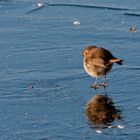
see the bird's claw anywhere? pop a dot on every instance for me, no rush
(95, 86)
(103, 84)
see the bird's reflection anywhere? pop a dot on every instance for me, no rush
(100, 110)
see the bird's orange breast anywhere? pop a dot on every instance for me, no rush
(85, 55)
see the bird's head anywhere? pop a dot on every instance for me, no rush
(88, 52)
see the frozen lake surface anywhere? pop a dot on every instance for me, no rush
(43, 87)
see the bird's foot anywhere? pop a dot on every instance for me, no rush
(104, 84)
(95, 86)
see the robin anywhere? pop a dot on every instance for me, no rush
(98, 62)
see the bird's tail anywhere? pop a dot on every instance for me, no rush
(116, 60)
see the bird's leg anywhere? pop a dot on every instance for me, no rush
(104, 84)
(95, 85)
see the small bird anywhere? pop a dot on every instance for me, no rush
(98, 62)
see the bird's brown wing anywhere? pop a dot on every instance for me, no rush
(106, 55)
(98, 62)
(100, 53)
